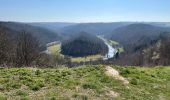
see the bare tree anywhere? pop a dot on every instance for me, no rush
(165, 51)
(28, 49)
(4, 47)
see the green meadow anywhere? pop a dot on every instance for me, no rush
(84, 83)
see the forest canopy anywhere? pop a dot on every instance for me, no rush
(83, 44)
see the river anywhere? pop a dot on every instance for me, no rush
(111, 51)
(110, 54)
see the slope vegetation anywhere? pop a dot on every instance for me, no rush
(84, 83)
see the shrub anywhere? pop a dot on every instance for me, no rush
(125, 72)
(35, 87)
(89, 85)
(52, 98)
(21, 93)
(134, 81)
(37, 72)
(16, 85)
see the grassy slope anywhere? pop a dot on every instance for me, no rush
(84, 83)
(55, 49)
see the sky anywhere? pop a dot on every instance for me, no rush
(85, 10)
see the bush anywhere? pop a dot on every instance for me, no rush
(35, 87)
(89, 85)
(134, 81)
(16, 85)
(21, 93)
(125, 72)
(37, 72)
(52, 98)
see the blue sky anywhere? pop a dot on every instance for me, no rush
(84, 10)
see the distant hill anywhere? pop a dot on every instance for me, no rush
(103, 28)
(53, 26)
(44, 35)
(83, 44)
(136, 34)
(69, 29)
(93, 28)
(159, 24)
(51, 31)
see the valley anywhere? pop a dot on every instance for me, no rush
(55, 49)
(86, 42)
(130, 62)
(84, 50)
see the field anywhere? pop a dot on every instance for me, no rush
(84, 83)
(55, 49)
(121, 49)
(114, 43)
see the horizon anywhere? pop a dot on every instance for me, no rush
(85, 11)
(88, 22)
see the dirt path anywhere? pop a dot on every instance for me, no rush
(115, 74)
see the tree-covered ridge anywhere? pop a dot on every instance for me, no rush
(42, 34)
(83, 44)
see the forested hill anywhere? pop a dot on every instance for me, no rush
(54, 26)
(136, 34)
(135, 31)
(144, 45)
(93, 28)
(41, 34)
(83, 44)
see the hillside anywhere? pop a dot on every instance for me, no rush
(83, 44)
(84, 83)
(136, 31)
(137, 34)
(42, 34)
